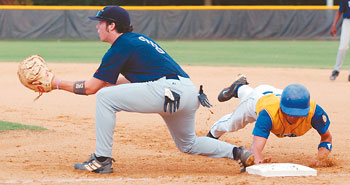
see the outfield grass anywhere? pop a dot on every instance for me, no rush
(4, 126)
(310, 54)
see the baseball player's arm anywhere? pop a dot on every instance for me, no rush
(257, 148)
(334, 25)
(261, 132)
(320, 121)
(90, 86)
(324, 151)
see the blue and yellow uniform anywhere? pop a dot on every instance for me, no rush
(271, 119)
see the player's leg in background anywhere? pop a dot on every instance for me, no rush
(343, 47)
(346, 38)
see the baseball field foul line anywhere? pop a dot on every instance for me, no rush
(122, 179)
(87, 180)
(73, 180)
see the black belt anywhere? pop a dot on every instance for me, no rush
(174, 77)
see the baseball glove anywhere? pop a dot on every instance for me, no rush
(35, 69)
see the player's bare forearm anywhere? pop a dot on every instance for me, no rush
(62, 84)
(90, 86)
(257, 148)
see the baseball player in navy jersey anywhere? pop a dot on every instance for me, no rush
(344, 8)
(137, 75)
(285, 113)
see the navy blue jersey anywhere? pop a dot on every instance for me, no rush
(263, 125)
(344, 7)
(139, 59)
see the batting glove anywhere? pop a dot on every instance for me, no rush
(203, 99)
(172, 101)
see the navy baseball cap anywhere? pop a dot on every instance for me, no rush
(113, 13)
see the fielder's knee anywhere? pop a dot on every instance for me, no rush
(185, 147)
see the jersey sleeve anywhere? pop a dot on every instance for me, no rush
(340, 6)
(263, 125)
(112, 64)
(320, 120)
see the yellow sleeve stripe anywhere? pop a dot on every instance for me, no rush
(37, 7)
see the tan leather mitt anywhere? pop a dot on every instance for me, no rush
(35, 69)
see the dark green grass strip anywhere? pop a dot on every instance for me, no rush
(4, 126)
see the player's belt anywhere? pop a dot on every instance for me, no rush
(267, 92)
(174, 77)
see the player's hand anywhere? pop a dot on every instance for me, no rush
(324, 162)
(317, 163)
(172, 101)
(333, 31)
(265, 160)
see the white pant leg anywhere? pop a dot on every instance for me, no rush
(345, 35)
(244, 91)
(244, 112)
(240, 117)
(343, 45)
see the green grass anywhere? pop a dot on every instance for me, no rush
(278, 53)
(53, 50)
(313, 54)
(283, 53)
(4, 126)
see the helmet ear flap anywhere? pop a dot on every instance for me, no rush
(295, 100)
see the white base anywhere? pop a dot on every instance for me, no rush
(281, 169)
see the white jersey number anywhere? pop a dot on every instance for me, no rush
(152, 44)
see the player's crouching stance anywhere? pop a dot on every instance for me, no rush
(137, 75)
(287, 113)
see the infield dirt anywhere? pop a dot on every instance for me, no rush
(143, 148)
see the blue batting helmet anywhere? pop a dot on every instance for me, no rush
(295, 100)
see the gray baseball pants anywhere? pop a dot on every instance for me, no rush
(148, 97)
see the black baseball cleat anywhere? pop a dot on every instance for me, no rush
(244, 156)
(93, 165)
(231, 91)
(211, 135)
(334, 75)
(349, 78)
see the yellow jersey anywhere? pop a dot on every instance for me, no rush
(279, 125)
